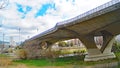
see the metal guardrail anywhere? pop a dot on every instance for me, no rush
(48, 31)
(43, 33)
(89, 12)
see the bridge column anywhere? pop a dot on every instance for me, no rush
(93, 52)
(108, 40)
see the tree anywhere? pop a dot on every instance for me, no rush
(3, 3)
(62, 44)
(116, 46)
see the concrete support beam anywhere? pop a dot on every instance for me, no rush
(107, 37)
(109, 45)
(108, 40)
(95, 54)
(92, 49)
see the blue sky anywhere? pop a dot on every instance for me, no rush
(20, 9)
(35, 16)
(44, 8)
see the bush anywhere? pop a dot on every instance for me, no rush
(62, 44)
(71, 44)
(116, 47)
(10, 50)
(80, 52)
(32, 49)
(50, 53)
(21, 54)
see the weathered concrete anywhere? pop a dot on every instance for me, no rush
(101, 21)
(94, 53)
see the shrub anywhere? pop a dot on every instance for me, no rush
(21, 54)
(10, 50)
(32, 49)
(62, 44)
(116, 47)
(71, 44)
(49, 53)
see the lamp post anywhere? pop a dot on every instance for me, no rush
(37, 30)
(28, 37)
(1, 20)
(2, 43)
(11, 41)
(19, 34)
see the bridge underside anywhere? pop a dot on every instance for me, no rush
(104, 23)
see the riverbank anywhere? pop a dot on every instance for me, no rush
(63, 62)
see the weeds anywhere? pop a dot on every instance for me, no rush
(5, 61)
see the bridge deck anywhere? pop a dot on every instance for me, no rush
(104, 17)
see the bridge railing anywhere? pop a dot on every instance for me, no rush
(78, 17)
(43, 33)
(89, 12)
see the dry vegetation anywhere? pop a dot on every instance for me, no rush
(32, 50)
(5, 61)
(21, 53)
(24, 66)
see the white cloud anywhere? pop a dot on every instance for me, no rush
(64, 9)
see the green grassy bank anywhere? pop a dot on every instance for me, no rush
(74, 60)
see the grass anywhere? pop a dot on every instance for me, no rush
(5, 60)
(3, 55)
(54, 63)
(41, 62)
(117, 55)
(48, 62)
(75, 60)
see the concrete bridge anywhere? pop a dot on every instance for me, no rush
(101, 21)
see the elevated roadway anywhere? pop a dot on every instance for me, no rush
(103, 21)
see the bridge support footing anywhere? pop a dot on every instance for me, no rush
(99, 57)
(94, 53)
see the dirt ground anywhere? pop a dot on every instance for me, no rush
(24, 66)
